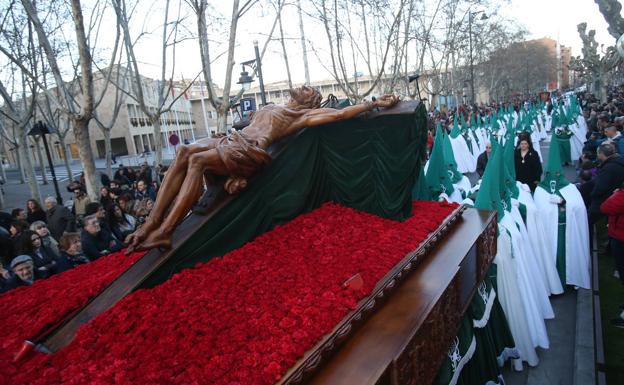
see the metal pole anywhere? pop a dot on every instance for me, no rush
(472, 94)
(259, 70)
(56, 187)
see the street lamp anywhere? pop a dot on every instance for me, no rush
(470, 16)
(42, 129)
(245, 80)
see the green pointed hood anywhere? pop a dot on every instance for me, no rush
(554, 177)
(510, 166)
(421, 191)
(455, 131)
(438, 179)
(449, 158)
(489, 195)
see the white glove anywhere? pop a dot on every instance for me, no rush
(555, 199)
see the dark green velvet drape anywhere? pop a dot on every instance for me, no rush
(368, 164)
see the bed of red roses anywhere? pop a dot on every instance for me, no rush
(27, 310)
(244, 318)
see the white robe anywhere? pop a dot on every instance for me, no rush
(577, 238)
(466, 162)
(524, 252)
(531, 297)
(576, 142)
(582, 124)
(508, 290)
(539, 242)
(577, 232)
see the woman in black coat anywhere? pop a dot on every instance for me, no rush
(43, 258)
(528, 165)
(34, 212)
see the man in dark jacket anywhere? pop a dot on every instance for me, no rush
(610, 177)
(24, 273)
(482, 160)
(144, 191)
(95, 242)
(59, 218)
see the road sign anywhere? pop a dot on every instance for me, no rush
(174, 140)
(248, 104)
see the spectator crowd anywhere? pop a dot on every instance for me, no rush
(38, 241)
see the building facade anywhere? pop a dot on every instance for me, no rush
(131, 131)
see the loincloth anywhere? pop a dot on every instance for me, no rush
(241, 156)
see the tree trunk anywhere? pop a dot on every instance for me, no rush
(285, 53)
(81, 133)
(35, 193)
(4, 177)
(109, 152)
(66, 155)
(20, 166)
(157, 142)
(221, 121)
(44, 177)
(303, 45)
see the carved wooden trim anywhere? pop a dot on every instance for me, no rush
(322, 351)
(486, 248)
(419, 362)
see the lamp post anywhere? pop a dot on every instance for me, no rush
(42, 129)
(245, 80)
(470, 16)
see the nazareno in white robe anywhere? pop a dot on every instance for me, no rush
(539, 242)
(466, 162)
(577, 232)
(524, 322)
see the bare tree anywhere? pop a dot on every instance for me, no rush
(347, 51)
(279, 6)
(19, 97)
(222, 103)
(592, 67)
(76, 97)
(163, 102)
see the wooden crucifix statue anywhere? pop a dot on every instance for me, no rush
(237, 157)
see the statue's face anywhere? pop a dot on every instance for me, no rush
(305, 97)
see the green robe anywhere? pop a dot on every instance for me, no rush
(565, 149)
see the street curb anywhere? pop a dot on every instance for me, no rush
(584, 365)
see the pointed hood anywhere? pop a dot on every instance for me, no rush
(438, 179)
(420, 191)
(510, 166)
(455, 131)
(489, 195)
(449, 158)
(554, 177)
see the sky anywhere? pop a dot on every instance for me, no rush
(557, 19)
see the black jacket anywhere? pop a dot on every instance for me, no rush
(482, 161)
(38, 215)
(66, 261)
(530, 171)
(14, 281)
(610, 176)
(96, 246)
(45, 259)
(60, 220)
